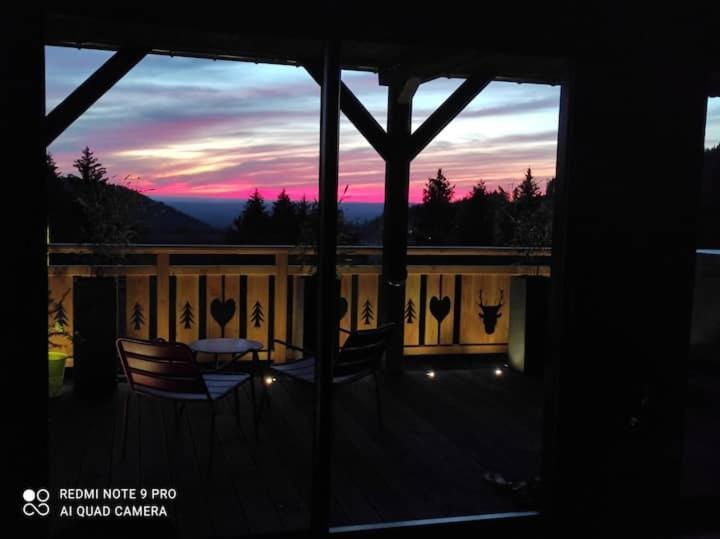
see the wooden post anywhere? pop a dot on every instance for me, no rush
(163, 295)
(280, 329)
(395, 227)
(327, 335)
(22, 63)
(615, 405)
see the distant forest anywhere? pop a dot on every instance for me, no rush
(483, 217)
(86, 207)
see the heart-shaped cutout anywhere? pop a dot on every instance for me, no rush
(222, 311)
(440, 308)
(342, 308)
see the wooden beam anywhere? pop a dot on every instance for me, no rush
(409, 88)
(162, 265)
(426, 65)
(327, 299)
(446, 112)
(395, 230)
(357, 114)
(85, 95)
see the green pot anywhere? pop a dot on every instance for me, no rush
(56, 370)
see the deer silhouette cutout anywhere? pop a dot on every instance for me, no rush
(490, 313)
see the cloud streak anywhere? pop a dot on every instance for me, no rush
(197, 128)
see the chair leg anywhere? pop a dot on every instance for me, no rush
(125, 424)
(378, 402)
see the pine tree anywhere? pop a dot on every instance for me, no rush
(531, 221)
(186, 317)
(438, 191)
(367, 312)
(410, 312)
(436, 215)
(526, 196)
(475, 219)
(251, 226)
(90, 169)
(284, 220)
(137, 318)
(256, 315)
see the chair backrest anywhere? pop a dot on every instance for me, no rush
(161, 368)
(363, 350)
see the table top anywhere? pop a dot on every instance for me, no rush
(224, 345)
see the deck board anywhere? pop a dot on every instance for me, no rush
(440, 437)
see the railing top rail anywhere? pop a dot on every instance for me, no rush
(85, 248)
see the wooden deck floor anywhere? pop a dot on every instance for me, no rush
(440, 437)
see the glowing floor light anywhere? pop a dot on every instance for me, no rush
(498, 372)
(430, 374)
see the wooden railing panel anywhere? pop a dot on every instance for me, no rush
(412, 310)
(280, 305)
(367, 301)
(62, 318)
(257, 307)
(298, 320)
(264, 301)
(223, 305)
(187, 304)
(345, 305)
(472, 328)
(163, 295)
(137, 307)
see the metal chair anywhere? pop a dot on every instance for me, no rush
(360, 356)
(168, 370)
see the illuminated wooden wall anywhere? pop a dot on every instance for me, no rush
(184, 303)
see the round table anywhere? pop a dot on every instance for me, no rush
(227, 346)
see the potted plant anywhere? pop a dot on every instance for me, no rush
(108, 223)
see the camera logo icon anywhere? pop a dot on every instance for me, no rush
(36, 502)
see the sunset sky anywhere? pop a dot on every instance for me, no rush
(217, 129)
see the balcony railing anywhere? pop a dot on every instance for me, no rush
(186, 292)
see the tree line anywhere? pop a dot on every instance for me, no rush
(522, 216)
(483, 217)
(85, 207)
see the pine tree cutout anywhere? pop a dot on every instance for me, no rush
(367, 312)
(186, 317)
(257, 315)
(137, 318)
(60, 317)
(410, 314)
